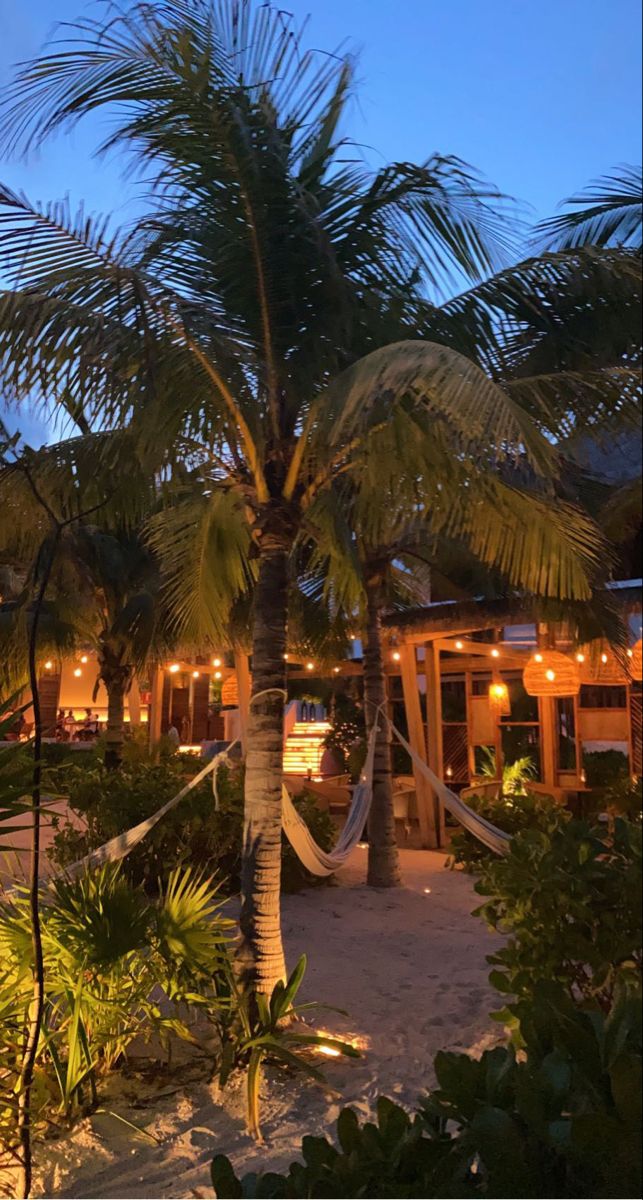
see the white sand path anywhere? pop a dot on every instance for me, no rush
(409, 968)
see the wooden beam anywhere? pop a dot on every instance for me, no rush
(434, 725)
(242, 668)
(134, 703)
(415, 726)
(506, 655)
(547, 715)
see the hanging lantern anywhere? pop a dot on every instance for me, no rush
(636, 662)
(600, 666)
(230, 691)
(499, 701)
(550, 673)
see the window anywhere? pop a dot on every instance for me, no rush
(595, 696)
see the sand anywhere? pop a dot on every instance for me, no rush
(409, 968)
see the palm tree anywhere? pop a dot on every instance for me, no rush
(248, 312)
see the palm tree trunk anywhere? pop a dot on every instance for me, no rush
(261, 953)
(115, 734)
(383, 858)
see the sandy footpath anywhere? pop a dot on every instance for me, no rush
(409, 968)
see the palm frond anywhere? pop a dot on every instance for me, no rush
(610, 214)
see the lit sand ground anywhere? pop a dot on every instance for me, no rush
(408, 967)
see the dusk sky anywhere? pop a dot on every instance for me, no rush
(540, 95)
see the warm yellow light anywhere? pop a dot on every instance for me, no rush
(336, 670)
(449, 772)
(78, 672)
(538, 657)
(603, 658)
(310, 666)
(285, 658)
(329, 1051)
(551, 675)
(580, 657)
(396, 656)
(495, 654)
(459, 645)
(216, 662)
(174, 667)
(427, 891)
(48, 665)
(217, 674)
(83, 658)
(499, 690)
(353, 637)
(630, 654)
(196, 674)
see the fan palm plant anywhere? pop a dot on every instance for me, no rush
(255, 309)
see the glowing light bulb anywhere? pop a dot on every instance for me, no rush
(335, 670)
(48, 665)
(538, 657)
(459, 645)
(196, 674)
(286, 657)
(83, 658)
(427, 891)
(310, 666)
(77, 672)
(499, 690)
(495, 654)
(630, 654)
(173, 668)
(216, 662)
(580, 657)
(603, 658)
(396, 656)
(217, 675)
(551, 675)
(449, 772)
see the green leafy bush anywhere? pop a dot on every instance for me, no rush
(512, 813)
(563, 1120)
(109, 802)
(603, 768)
(570, 900)
(116, 967)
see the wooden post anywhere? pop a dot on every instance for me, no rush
(434, 726)
(471, 750)
(242, 669)
(155, 711)
(547, 715)
(415, 726)
(134, 703)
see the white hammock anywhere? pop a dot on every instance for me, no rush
(317, 861)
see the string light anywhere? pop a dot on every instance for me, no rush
(396, 656)
(310, 666)
(78, 672)
(217, 675)
(459, 645)
(216, 662)
(286, 657)
(196, 674)
(48, 665)
(495, 654)
(173, 668)
(449, 772)
(83, 658)
(336, 670)
(580, 657)
(538, 658)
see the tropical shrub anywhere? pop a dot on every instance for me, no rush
(511, 812)
(116, 967)
(562, 1120)
(603, 768)
(196, 831)
(570, 899)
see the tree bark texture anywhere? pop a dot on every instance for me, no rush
(383, 857)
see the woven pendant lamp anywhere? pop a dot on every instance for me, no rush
(636, 661)
(550, 673)
(499, 701)
(599, 665)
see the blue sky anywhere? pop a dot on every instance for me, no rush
(540, 95)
